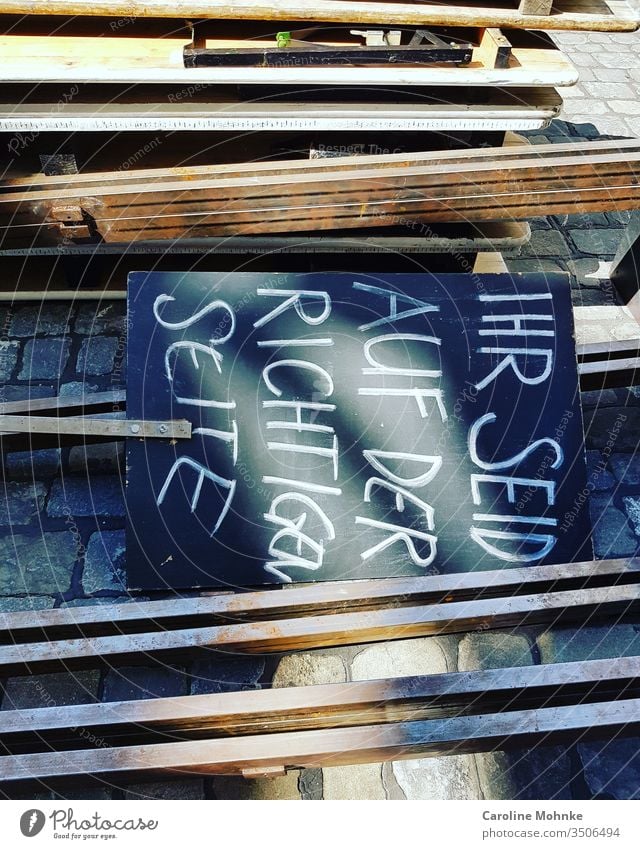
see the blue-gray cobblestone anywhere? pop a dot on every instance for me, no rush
(44, 358)
(43, 319)
(97, 355)
(37, 565)
(141, 682)
(101, 457)
(30, 465)
(8, 358)
(104, 563)
(80, 496)
(94, 319)
(612, 535)
(226, 673)
(20, 503)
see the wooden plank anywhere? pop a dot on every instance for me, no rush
(156, 114)
(606, 374)
(85, 426)
(328, 630)
(568, 14)
(494, 50)
(314, 599)
(344, 193)
(73, 60)
(320, 706)
(89, 400)
(333, 747)
(535, 7)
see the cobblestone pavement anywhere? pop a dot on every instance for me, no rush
(607, 94)
(62, 520)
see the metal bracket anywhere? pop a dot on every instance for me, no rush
(84, 426)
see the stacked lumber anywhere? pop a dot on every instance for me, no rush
(315, 616)
(252, 732)
(600, 15)
(487, 184)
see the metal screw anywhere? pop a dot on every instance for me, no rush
(162, 428)
(135, 428)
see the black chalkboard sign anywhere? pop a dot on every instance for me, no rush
(351, 426)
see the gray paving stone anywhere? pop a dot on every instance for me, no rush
(595, 642)
(77, 388)
(101, 457)
(104, 563)
(625, 107)
(626, 468)
(585, 221)
(632, 509)
(104, 317)
(28, 465)
(141, 682)
(622, 217)
(39, 565)
(223, 674)
(541, 773)
(46, 320)
(547, 243)
(617, 59)
(33, 602)
(604, 92)
(598, 399)
(612, 767)
(9, 351)
(493, 651)
(25, 393)
(167, 790)
(20, 503)
(52, 690)
(586, 270)
(612, 536)
(596, 241)
(102, 602)
(44, 358)
(610, 75)
(98, 496)
(613, 427)
(535, 264)
(603, 125)
(97, 355)
(598, 476)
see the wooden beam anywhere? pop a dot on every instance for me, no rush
(90, 400)
(85, 426)
(312, 600)
(332, 747)
(598, 16)
(322, 706)
(351, 192)
(310, 632)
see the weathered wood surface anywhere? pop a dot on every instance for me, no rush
(312, 600)
(307, 632)
(611, 16)
(101, 108)
(351, 192)
(75, 60)
(333, 747)
(321, 706)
